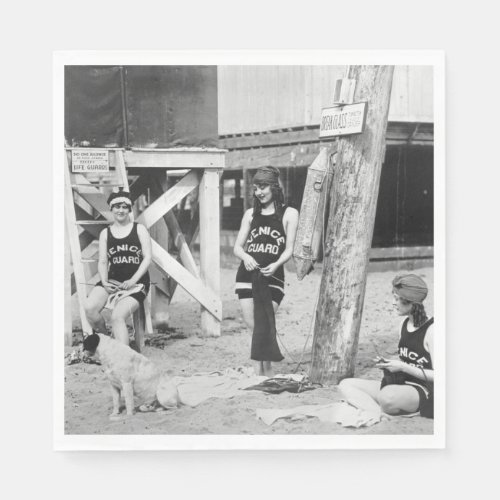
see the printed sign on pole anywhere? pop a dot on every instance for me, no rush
(343, 120)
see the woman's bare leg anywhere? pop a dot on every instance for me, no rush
(122, 310)
(262, 367)
(267, 367)
(362, 394)
(93, 307)
(396, 399)
(247, 312)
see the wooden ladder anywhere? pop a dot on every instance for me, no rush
(79, 191)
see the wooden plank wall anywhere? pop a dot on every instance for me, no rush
(257, 98)
(411, 98)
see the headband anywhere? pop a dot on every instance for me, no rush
(119, 197)
(266, 175)
(410, 287)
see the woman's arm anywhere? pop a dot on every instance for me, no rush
(145, 240)
(429, 347)
(290, 223)
(396, 365)
(238, 250)
(102, 263)
(429, 341)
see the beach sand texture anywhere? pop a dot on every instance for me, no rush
(88, 400)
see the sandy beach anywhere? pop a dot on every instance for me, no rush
(181, 352)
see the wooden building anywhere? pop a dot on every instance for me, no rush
(270, 115)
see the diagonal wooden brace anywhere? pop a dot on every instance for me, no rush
(194, 286)
(169, 200)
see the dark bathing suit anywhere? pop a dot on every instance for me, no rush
(412, 352)
(125, 257)
(266, 242)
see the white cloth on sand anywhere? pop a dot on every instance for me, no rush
(339, 412)
(202, 386)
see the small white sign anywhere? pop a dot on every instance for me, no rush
(343, 120)
(90, 160)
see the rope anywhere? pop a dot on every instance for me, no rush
(323, 238)
(313, 317)
(281, 341)
(311, 329)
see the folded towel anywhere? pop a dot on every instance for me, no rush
(339, 412)
(264, 343)
(202, 386)
(114, 298)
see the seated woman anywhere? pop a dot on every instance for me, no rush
(124, 258)
(407, 385)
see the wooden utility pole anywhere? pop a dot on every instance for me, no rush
(353, 203)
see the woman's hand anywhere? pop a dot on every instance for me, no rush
(393, 365)
(270, 269)
(109, 287)
(128, 284)
(250, 263)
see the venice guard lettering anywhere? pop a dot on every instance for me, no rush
(412, 357)
(131, 259)
(124, 248)
(266, 230)
(261, 248)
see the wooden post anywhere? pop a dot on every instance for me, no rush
(237, 188)
(180, 242)
(209, 245)
(76, 252)
(68, 316)
(161, 185)
(353, 203)
(247, 190)
(160, 301)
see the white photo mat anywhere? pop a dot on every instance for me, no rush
(64, 441)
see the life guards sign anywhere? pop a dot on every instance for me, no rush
(344, 119)
(90, 160)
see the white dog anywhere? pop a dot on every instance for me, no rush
(130, 374)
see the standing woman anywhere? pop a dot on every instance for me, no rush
(124, 258)
(407, 384)
(264, 244)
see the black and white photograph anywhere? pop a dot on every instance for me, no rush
(251, 250)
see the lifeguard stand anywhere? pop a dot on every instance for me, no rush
(157, 128)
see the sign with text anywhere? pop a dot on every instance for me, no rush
(90, 160)
(344, 119)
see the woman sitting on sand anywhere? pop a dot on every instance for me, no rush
(407, 385)
(264, 244)
(124, 258)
